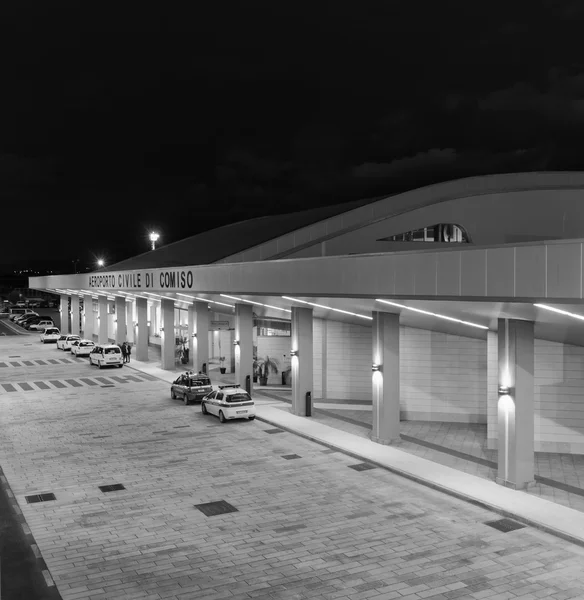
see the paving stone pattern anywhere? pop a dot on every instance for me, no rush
(305, 528)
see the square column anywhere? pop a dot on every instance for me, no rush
(167, 334)
(102, 334)
(142, 329)
(130, 321)
(386, 378)
(243, 349)
(516, 404)
(198, 335)
(64, 312)
(88, 325)
(120, 336)
(302, 359)
(75, 316)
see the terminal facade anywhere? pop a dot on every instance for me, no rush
(458, 302)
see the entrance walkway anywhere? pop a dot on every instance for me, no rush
(459, 448)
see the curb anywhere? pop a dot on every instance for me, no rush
(29, 537)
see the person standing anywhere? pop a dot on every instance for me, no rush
(128, 351)
(124, 352)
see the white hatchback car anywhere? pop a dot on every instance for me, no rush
(229, 402)
(65, 341)
(42, 325)
(49, 335)
(82, 347)
(106, 355)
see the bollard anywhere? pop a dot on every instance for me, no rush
(248, 384)
(308, 404)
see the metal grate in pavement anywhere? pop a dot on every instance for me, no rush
(212, 509)
(362, 467)
(40, 498)
(108, 385)
(290, 456)
(112, 488)
(273, 430)
(14, 356)
(505, 525)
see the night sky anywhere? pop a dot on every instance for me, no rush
(205, 113)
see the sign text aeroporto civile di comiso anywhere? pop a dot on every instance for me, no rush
(143, 280)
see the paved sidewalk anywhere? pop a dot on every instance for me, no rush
(559, 520)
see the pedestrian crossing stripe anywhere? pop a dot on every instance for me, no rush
(43, 363)
(51, 384)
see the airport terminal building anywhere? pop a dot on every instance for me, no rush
(460, 302)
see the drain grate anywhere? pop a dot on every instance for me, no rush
(505, 525)
(273, 430)
(290, 456)
(362, 467)
(110, 385)
(40, 498)
(112, 488)
(14, 356)
(212, 509)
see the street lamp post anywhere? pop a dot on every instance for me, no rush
(100, 262)
(154, 238)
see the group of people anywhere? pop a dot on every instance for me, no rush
(126, 351)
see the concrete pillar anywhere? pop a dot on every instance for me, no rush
(516, 405)
(302, 359)
(121, 334)
(102, 334)
(243, 349)
(492, 389)
(386, 378)
(198, 335)
(142, 329)
(88, 325)
(130, 322)
(75, 315)
(64, 312)
(167, 334)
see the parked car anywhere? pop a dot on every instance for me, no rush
(191, 387)
(82, 347)
(106, 355)
(28, 321)
(42, 325)
(229, 402)
(50, 335)
(17, 312)
(65, 341)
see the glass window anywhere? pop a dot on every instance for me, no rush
(239, 397)
(200, 381)
(84, 344)
(418, 235)
(212, 395)
(112, 351)
(219, 396)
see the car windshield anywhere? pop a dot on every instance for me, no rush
(200, 382)
(111, 351)
(72, 338)
(63, 337)
(239, 397)
(51, 331)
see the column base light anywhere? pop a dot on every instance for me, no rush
(375, 367)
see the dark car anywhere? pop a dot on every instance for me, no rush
(191, 387)
(33, 321)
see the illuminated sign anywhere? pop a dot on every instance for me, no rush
(143, 280)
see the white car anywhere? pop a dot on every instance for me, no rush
(82, 347)
(65, 341)
(106, 355)
(41, 325)
(229, 402)
(49, 335)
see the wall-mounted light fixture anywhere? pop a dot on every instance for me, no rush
(236, 343)
(161, 329)
(293, 352)
(504, 390)
(148, 323)
(194, 334)
(115, 320)
(375, 367)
